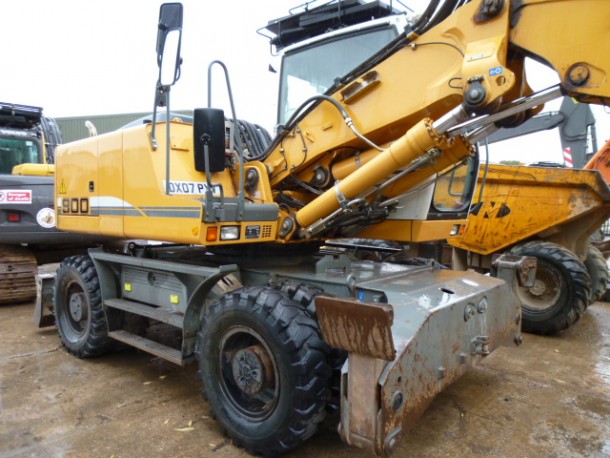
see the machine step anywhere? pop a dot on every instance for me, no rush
(162, 351)
(148, 311)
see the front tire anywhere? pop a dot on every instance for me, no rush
(560, 294)
(306, 295)
(80, 318)
(263, 368)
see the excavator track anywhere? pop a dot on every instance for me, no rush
(18, 270)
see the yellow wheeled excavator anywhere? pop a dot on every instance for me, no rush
(282, 326)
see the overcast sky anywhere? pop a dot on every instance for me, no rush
(77, 58)
(98, 57)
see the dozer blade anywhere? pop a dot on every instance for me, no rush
(18, 269)
(435, 326)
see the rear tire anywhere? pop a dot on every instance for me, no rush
(561, 292)
(598, 271)
(79, 314)
(263, 368)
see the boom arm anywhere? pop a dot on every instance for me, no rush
(470, 64)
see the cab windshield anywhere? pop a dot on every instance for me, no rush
(453, 189)
(15, 151)
(312, 70)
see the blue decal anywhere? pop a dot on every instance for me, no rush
(496, 71)
(361, 295)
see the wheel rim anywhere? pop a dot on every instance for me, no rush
(546, 290)
(77, 315)
(249, 377)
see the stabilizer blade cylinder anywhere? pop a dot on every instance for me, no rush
(419, 139)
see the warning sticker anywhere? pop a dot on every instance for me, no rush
(46, 217)
(12, 196)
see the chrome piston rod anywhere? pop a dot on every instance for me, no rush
(475, 129)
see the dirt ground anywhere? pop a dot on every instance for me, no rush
(549, 398)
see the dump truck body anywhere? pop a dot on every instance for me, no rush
(519, 203)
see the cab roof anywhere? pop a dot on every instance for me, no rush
(334, 15)
(21, 116)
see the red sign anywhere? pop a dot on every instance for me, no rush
(10, 196)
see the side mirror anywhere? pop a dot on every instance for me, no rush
(168, 43)
(209, 139)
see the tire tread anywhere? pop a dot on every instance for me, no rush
(578, 283)
(299, 335)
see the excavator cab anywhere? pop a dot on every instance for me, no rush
(27, 140)
(21, 136)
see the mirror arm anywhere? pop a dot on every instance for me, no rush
(159, 100)
(167, 143)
